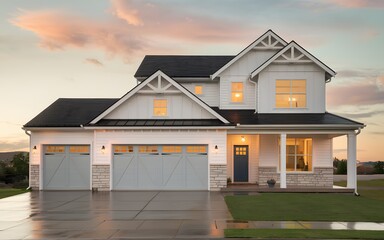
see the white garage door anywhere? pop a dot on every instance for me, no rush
(66, 167)
(160, 167)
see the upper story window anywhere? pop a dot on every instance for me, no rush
(291, 93)
(237, 92)
(160, 107)
(198, 90)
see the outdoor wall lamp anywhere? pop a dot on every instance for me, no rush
(34, 149)
(216, 149)
(242, 138)
(103, 149)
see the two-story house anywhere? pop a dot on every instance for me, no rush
(193, 122)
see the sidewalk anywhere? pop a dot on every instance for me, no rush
(233, 224)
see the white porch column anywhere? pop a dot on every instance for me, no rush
(351, 161)
(283, 160)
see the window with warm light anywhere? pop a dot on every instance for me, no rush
(298, 154)
(198, 90)
(237, 92)
(198, 149)
(291, 93)
(160, 107)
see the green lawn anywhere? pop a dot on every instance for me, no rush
(305, 207)
(7, 192)
(297, 233)
(369, 183)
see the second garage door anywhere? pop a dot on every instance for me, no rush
(160, 167)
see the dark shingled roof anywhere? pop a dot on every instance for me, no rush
(70, 112)
(249, 117)
(181, 66)
(158, 122)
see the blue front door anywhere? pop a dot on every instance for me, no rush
(240, 159)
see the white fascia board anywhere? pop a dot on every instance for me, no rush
(247, 49)
(52, 128)
(296, 132)
(156, 128)
(302, 50)
(303, 127)
(144, 83)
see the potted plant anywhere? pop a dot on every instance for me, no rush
(271, 182)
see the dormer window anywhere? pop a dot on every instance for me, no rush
(160, 107)
(199, 90)
(291, 93)
(237, 92)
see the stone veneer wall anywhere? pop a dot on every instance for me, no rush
(34, 177)
(322, 177)
(100, 177)
(218, 177)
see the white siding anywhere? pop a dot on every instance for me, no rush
(240, 72)
(39, 139)
(140, 106)
(210, 137)
(315, 87)
(210, 92)
(253, 147)
(269, 152)
(322, 151)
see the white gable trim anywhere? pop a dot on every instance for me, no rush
(304, 52)
(158, 74)
(267, 34)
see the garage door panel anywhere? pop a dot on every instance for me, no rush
(55, 170)
(63, 170)
(167, 167)
(125, 171)
(150, 171)
(79, 171)
(174, 171)
(197, 171)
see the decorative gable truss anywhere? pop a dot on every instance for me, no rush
(268, 41)
(159, 83)
(293, 53)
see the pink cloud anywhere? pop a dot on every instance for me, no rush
(58, 30)
(359, 3)
(362, 93)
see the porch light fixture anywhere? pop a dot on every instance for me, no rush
(242, 138)
(103, 149)
(216, 149)
(34, 149)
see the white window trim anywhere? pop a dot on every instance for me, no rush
(294, 172)
(291, 93)
(153, 108)
(242, 102)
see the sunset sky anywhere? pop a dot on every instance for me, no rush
(84, 49)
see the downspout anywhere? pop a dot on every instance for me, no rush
(29, 181)
(256, 93)
(356, 193)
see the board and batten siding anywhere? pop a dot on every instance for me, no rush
(140, 106)
(321, 152)
(41, 138)
(315, 87)
(253, 152)
(210, 92)
(240, 72)
(211, 138)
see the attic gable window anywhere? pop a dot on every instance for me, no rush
(160, 107)
(237, 92)
(291, 93)
(198, 90)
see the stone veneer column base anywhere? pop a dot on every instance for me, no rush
(321, 177)
(218, 177)
(34, 177)
(100, 178)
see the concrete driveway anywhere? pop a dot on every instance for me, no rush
(112, 215)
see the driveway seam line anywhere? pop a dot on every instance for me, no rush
(144, 208)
